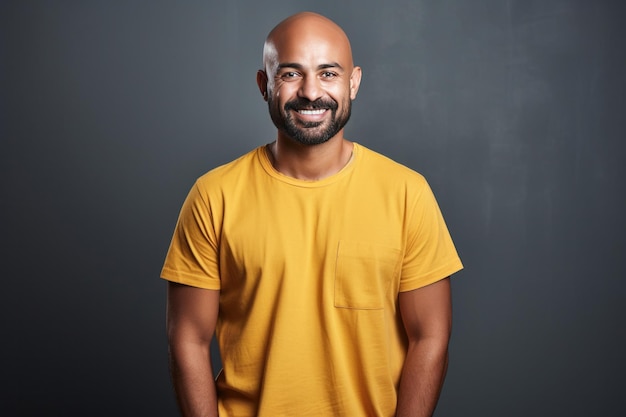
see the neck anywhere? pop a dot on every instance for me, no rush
(310, 162)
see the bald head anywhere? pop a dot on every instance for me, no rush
(306, 31)
(309, 79)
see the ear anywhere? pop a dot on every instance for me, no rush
(261, 81)
(355, 82)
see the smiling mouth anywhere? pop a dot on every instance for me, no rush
(311, 112)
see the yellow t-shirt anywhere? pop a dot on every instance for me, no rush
(309, 274)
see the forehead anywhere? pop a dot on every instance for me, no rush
(308, 44)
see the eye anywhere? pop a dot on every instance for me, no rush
(328, 74)
(289, 75)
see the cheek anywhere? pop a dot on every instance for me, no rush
(340, 93)
(281, 89)
(278, 94)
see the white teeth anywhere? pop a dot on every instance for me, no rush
(306, 112)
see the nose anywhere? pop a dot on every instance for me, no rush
(310, 88)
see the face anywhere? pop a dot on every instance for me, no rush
(309, 122)
(310, 83)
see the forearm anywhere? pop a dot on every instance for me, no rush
(422, 378)
(192, 377)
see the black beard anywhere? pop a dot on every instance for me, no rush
(308, 133)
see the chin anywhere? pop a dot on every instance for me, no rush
(310, 140)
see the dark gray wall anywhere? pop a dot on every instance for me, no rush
(514, 111)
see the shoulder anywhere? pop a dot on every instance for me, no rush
(229, 173)
(384, 169)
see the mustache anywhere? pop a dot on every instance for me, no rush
(304, 104)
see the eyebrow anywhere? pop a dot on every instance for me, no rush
(297, 66)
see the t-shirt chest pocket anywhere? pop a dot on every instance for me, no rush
(364, 273)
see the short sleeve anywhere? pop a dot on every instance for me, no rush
(192, 258)
(430, 254)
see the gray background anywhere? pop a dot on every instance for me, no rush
(514, 111)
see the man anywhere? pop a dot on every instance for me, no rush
(322, 265)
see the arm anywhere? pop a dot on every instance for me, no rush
(191, 317)
(427, 316)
